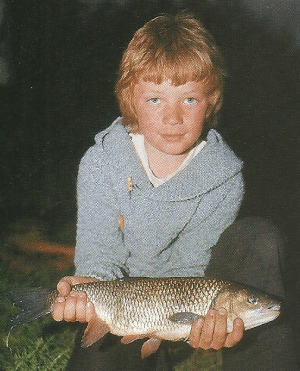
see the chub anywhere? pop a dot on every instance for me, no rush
(154, 308)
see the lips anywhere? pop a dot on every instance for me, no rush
(172, 137)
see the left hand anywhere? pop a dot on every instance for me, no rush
(71, 306)
(211, 332)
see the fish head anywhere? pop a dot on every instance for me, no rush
(252, 306)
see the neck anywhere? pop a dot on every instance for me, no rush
(162, 164)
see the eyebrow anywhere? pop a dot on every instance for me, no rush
(184, 92)
(153, 91)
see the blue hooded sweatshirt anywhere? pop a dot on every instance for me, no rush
(168, 230)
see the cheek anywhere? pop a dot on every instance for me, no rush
(198, 119)
(198, 114)
(144, 115)
(148, 120)
(196, 127)
(202, 113)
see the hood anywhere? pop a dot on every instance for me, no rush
(215, 164)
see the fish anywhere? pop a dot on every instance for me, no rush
(153, 308)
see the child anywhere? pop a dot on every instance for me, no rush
(160, 186)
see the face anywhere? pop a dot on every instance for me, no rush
(170, 117)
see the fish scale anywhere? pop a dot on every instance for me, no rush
(147, 304)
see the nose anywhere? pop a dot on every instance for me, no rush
(172, 115)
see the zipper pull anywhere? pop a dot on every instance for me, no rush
(129, 184)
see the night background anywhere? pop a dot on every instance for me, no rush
(58, 64)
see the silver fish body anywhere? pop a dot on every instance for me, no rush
(141, 306)
(150, 306)
(165, 308)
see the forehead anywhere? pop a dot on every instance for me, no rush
(167, 87)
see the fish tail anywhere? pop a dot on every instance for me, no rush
(34, 302)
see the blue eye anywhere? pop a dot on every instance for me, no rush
(190, 100)
(154, 100)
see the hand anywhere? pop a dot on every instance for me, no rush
(70, 306)
(211, 332)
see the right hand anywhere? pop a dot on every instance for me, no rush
(211, 332)
(70, 306)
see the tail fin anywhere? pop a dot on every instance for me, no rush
(34, 302)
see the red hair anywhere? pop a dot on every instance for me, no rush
(175, 48)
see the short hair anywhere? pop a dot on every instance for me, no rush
(176, 48)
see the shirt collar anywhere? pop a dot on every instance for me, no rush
(214, 165)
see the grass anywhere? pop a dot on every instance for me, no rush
(42, 344)
(32, 349)
(47, 345)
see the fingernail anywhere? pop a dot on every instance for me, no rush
(73, 293)
(89, 305)
(60, 299)
(239, 322)
(200, 320)
(222, 311)
(212, 312)
(60, 285)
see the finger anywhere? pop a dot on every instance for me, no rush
(64, 285)
(196, 332)
(63, 288)
(70, 308)
(208, 330)
(58, 309)
(90, 311)
(220, 330)
(81, 307)
(236, 335)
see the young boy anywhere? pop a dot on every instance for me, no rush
(160, 186)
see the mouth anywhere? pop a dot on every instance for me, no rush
(172, 138)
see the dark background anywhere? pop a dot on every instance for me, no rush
(63, 57)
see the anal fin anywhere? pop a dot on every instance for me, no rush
(95, 330)
(150, 346)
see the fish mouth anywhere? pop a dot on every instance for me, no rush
(274, 307)
(262, 317)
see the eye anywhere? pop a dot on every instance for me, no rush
(154, 100)
(252, 300)
(190, 100)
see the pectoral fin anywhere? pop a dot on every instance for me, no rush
(184, 318)
(95, 330)
(150, 346)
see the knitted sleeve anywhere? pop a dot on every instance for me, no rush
(100, 251)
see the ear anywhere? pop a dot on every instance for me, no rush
(213, 102)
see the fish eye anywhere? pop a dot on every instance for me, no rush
(252, 300)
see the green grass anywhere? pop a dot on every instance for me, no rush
(44, 344)
(30, 348)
